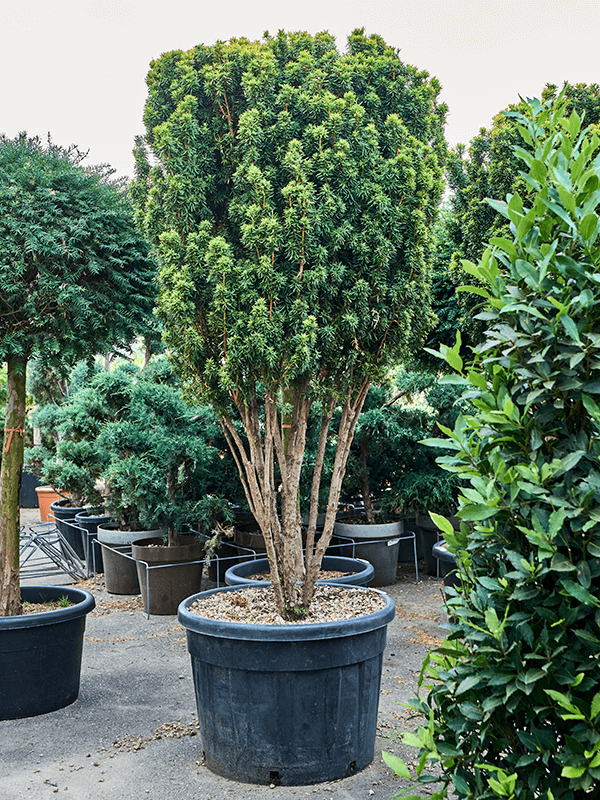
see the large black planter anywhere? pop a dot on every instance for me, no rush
(287, 704)
(430, 535)
(62, 512)
(361, 571)
(167, 574)
(40, 654)
(92, 550)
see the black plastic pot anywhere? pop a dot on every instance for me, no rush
(287, 704)
(447, 561)
(63, 513)
(120, 570)
(167, 574)
(430, 535)
(224, 556)
(92, 550)
(250, 538)
(29, 484)
(40, 654)
(361, 571)
(377, 544)
(406, 551)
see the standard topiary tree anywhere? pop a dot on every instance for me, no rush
(514, 711)
(75, 279)
(290, 209)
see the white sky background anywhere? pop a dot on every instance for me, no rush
(77, 68)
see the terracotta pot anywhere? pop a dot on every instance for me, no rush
(46, 496)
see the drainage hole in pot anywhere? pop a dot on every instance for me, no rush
(274, 778)
(352, 766)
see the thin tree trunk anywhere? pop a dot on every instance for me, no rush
(10, 488)
(254, 458)
(350, 414)
(366, 488)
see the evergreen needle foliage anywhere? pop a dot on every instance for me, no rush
(290, 210)
(515, 709)
(75, 279)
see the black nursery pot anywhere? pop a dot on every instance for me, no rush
(287, 704)
(430, 535)
(40, 654)
(89, 537)
(62, 514)
(447, 561)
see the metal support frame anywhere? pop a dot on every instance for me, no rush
(44, 552)
(349, 541)
(252, 555)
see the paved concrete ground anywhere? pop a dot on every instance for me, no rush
(132, 733)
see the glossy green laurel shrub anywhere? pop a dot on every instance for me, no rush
(515, 709)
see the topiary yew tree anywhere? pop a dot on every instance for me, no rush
(514, 711)
(290, 207)
(75, 279)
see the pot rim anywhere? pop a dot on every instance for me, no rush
(84, 603)
(260, 563)
(227, 629)
(440, 551)
(374, 531)
(87, 515)
(61, 504)
(156, 543)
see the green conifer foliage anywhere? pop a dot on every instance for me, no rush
(75, 279)
(514, 711)
(290, 208)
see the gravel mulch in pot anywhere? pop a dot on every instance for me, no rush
(256, 605)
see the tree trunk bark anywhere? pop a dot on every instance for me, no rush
(10, 488)
(366, 488)
(350, 414)
(285, 440)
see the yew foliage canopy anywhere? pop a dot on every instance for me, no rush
(290, 207)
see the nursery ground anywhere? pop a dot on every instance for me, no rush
(133, 731)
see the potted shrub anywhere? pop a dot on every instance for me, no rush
(70, 413)
(289, 208)
(513, 710)
(160, 463)
(75, 279)
(73, 467)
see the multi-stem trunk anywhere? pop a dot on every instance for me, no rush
(10, 487)
(293, 573)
